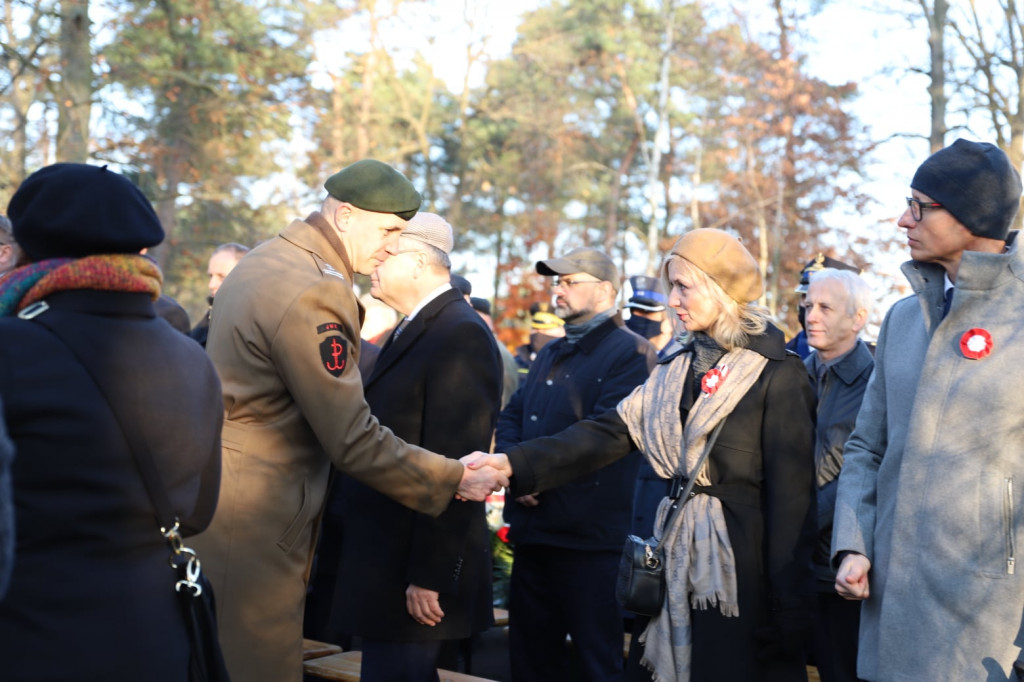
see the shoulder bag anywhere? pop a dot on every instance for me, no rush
(195, 594)
(640, 586)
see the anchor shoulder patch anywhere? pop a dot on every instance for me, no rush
(334, 354)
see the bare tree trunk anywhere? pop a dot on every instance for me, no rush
(74, 95)
(936, 16)
(660, 137)
(611, 228)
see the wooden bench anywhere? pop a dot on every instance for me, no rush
(314, 649)
(345, 667)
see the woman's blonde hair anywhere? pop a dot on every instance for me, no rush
(736, 322)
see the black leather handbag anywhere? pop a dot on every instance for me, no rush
(640, 586)
(194, 592)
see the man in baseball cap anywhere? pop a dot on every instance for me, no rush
(591, 369)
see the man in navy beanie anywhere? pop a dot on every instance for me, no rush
(927, 518)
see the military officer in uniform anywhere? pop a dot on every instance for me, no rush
(285, 340)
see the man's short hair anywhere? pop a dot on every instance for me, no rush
(858, 293)
(435, 256)
(235, 248)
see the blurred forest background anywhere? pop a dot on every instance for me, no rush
(612, 123)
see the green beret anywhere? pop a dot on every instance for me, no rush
(375, 186)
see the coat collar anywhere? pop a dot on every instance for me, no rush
(592, 339)
(315, 234)
(393, 350)
(978, 272)
(850, 366)
(771, 344)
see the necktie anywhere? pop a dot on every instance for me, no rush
(948, 300)
(400, 328)
(822, 371)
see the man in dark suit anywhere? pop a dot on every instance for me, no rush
(407, 581)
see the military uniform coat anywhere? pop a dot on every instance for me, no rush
(931, 484)
(437, 385)
(284, 336)
(92, 596)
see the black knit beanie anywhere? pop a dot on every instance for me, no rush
(976, 183)
(71, 210)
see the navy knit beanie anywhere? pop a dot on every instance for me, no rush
(71, 210)
(976, 183)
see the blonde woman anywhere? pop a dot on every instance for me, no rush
(738, 568)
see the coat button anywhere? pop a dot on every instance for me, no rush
(533, 417)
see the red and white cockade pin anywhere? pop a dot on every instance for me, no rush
(713, 379)
(976, 343)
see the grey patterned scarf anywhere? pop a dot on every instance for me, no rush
(700, 568)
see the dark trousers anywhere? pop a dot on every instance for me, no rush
(555, 592)
(385, 661)
(836, 627)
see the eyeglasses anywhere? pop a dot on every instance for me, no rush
(917, 207)
(570, 283)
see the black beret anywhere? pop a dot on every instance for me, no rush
(375, 186)
(481, 305)
(462, 284)
(71, 210)
(974, 181)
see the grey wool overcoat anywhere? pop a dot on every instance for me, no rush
(931, 487)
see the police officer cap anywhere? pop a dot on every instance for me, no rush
(375, 186)
(72, 210)
(542, 317)
(647, 294)
(820, 262)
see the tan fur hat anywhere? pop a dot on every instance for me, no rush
(724, 259)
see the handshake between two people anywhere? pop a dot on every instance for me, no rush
(484, 473)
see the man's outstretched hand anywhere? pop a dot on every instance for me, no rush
(480, 481)
(498, 460)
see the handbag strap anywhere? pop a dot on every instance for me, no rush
(151, 478)
(691, 479)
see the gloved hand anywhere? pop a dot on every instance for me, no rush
(786, 635)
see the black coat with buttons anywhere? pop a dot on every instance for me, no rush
(92, 596)
(569, 382)
(437, 385)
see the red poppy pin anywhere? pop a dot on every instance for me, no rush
(976, 344)
(713, 379)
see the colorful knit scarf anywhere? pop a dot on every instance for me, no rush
(115, 272)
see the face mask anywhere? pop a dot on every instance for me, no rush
(644, 327)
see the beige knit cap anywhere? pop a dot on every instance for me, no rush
(432, 229)
(724, 259)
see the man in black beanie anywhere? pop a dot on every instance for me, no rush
(926, 517)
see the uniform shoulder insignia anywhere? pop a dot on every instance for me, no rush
(332, 271)
(334, 354)
(328, 327)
